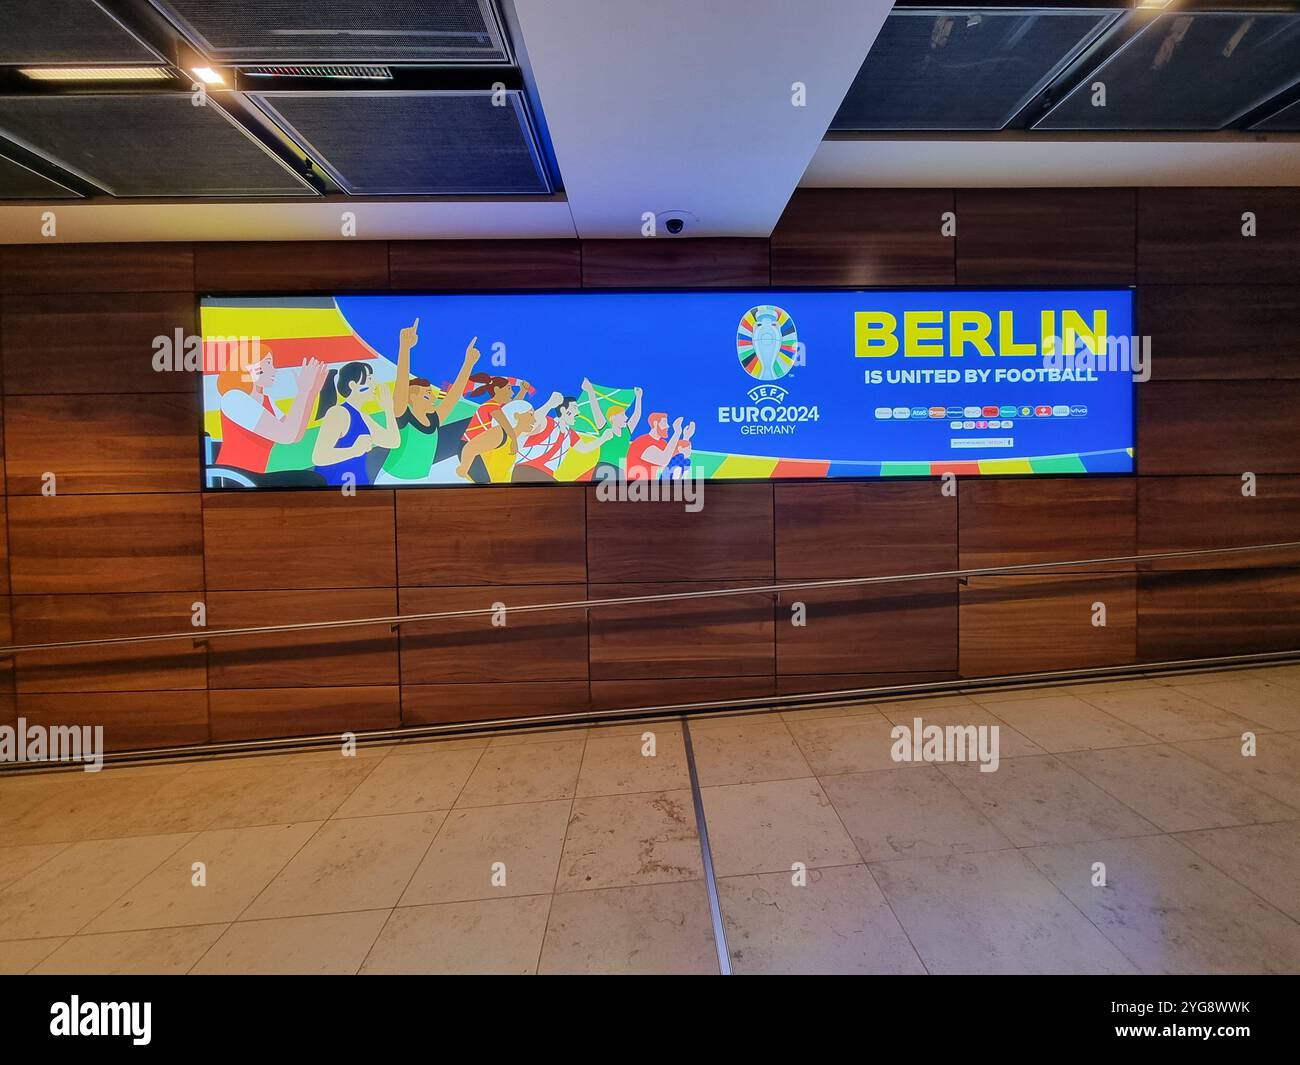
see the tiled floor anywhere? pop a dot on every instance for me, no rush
(1123, 831)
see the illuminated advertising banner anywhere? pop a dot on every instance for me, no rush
(397, 390)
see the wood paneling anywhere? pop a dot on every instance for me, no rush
(1221, 332)
(121, 543)
(94, 344)
(728, 538)
(1025, 522)
(131, 720)
(64, 268)
(1020, 624)
(848, 529)
(805, 683)
(1192, 235)
(175, 664)
(436, 704)
(291, 266)
(492, 536)
(484, 264)
(255, 713)
(669, 691)
(1218, 427)
(670, 262)
(270, 540)
(1046, 236)
(1219, 612)
(318, 658)
(1203, 513)
(864, 237)
(909, 626)
(102, 444)
(529, 648)
(729, 636)
(4, 546)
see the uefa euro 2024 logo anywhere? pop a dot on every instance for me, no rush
(766, 342)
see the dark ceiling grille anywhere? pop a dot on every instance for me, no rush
(1285, 121)
(147, 145)
(342, 31)
(19, 183)
(416, 143)
(1187, 71)
(64, 32)
(962, 70)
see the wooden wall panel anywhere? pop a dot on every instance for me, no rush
(436, 704)
(484, 264)
(1203, 513)
(175, 664)
(319, 539)
(730, 636)
(492, 536)
(102, 444)
(529, 648)
(291, 266)
(886, 628)
(801, 684)
(4, 546)
(257, 713)
(668, 691)
(864, 237)
(1218, 427)
(93, 343)
(322, 658)
(1019, 624)
(728, 538)
(1194, 236)
(121, 543)
(1031, 521)
(1221, 332)
(63, 268)
(1046, 236)
(863, 529)
(668, 262)
(131, 720)
(1218, 612)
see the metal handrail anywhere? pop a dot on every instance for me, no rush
(398, 620)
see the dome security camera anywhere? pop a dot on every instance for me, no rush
(674, 223)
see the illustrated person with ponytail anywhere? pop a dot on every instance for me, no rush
(251, 425)
(347, 434)
(490, 428)
(419, 413)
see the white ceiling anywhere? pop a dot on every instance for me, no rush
(1029, 160)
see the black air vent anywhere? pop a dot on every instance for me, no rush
(19, 183)
(147, 145)
(342, 31)
(416, 143)
(66, 32)
(1187, 71)
(962, 70)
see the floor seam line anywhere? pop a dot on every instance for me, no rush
(706, 855)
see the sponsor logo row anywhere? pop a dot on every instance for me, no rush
(899, 414)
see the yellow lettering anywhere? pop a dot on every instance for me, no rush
(1007, 344)
(923, 334)
(873, 335)
(969, 327)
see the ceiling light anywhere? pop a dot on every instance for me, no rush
(208, 76)
(97, 73)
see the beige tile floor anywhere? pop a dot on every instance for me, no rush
(1124, 831)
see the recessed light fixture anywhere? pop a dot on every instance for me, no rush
(207, 75)
(96, 73)
(1153, 5)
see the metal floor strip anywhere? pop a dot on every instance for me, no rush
(706, 852)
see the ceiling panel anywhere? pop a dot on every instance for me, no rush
(968, 70)
(1187, 72)
(1285, 121)
(17, 182)
(156, 144)
(61, 32)
(339, 31)
(415, 143)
